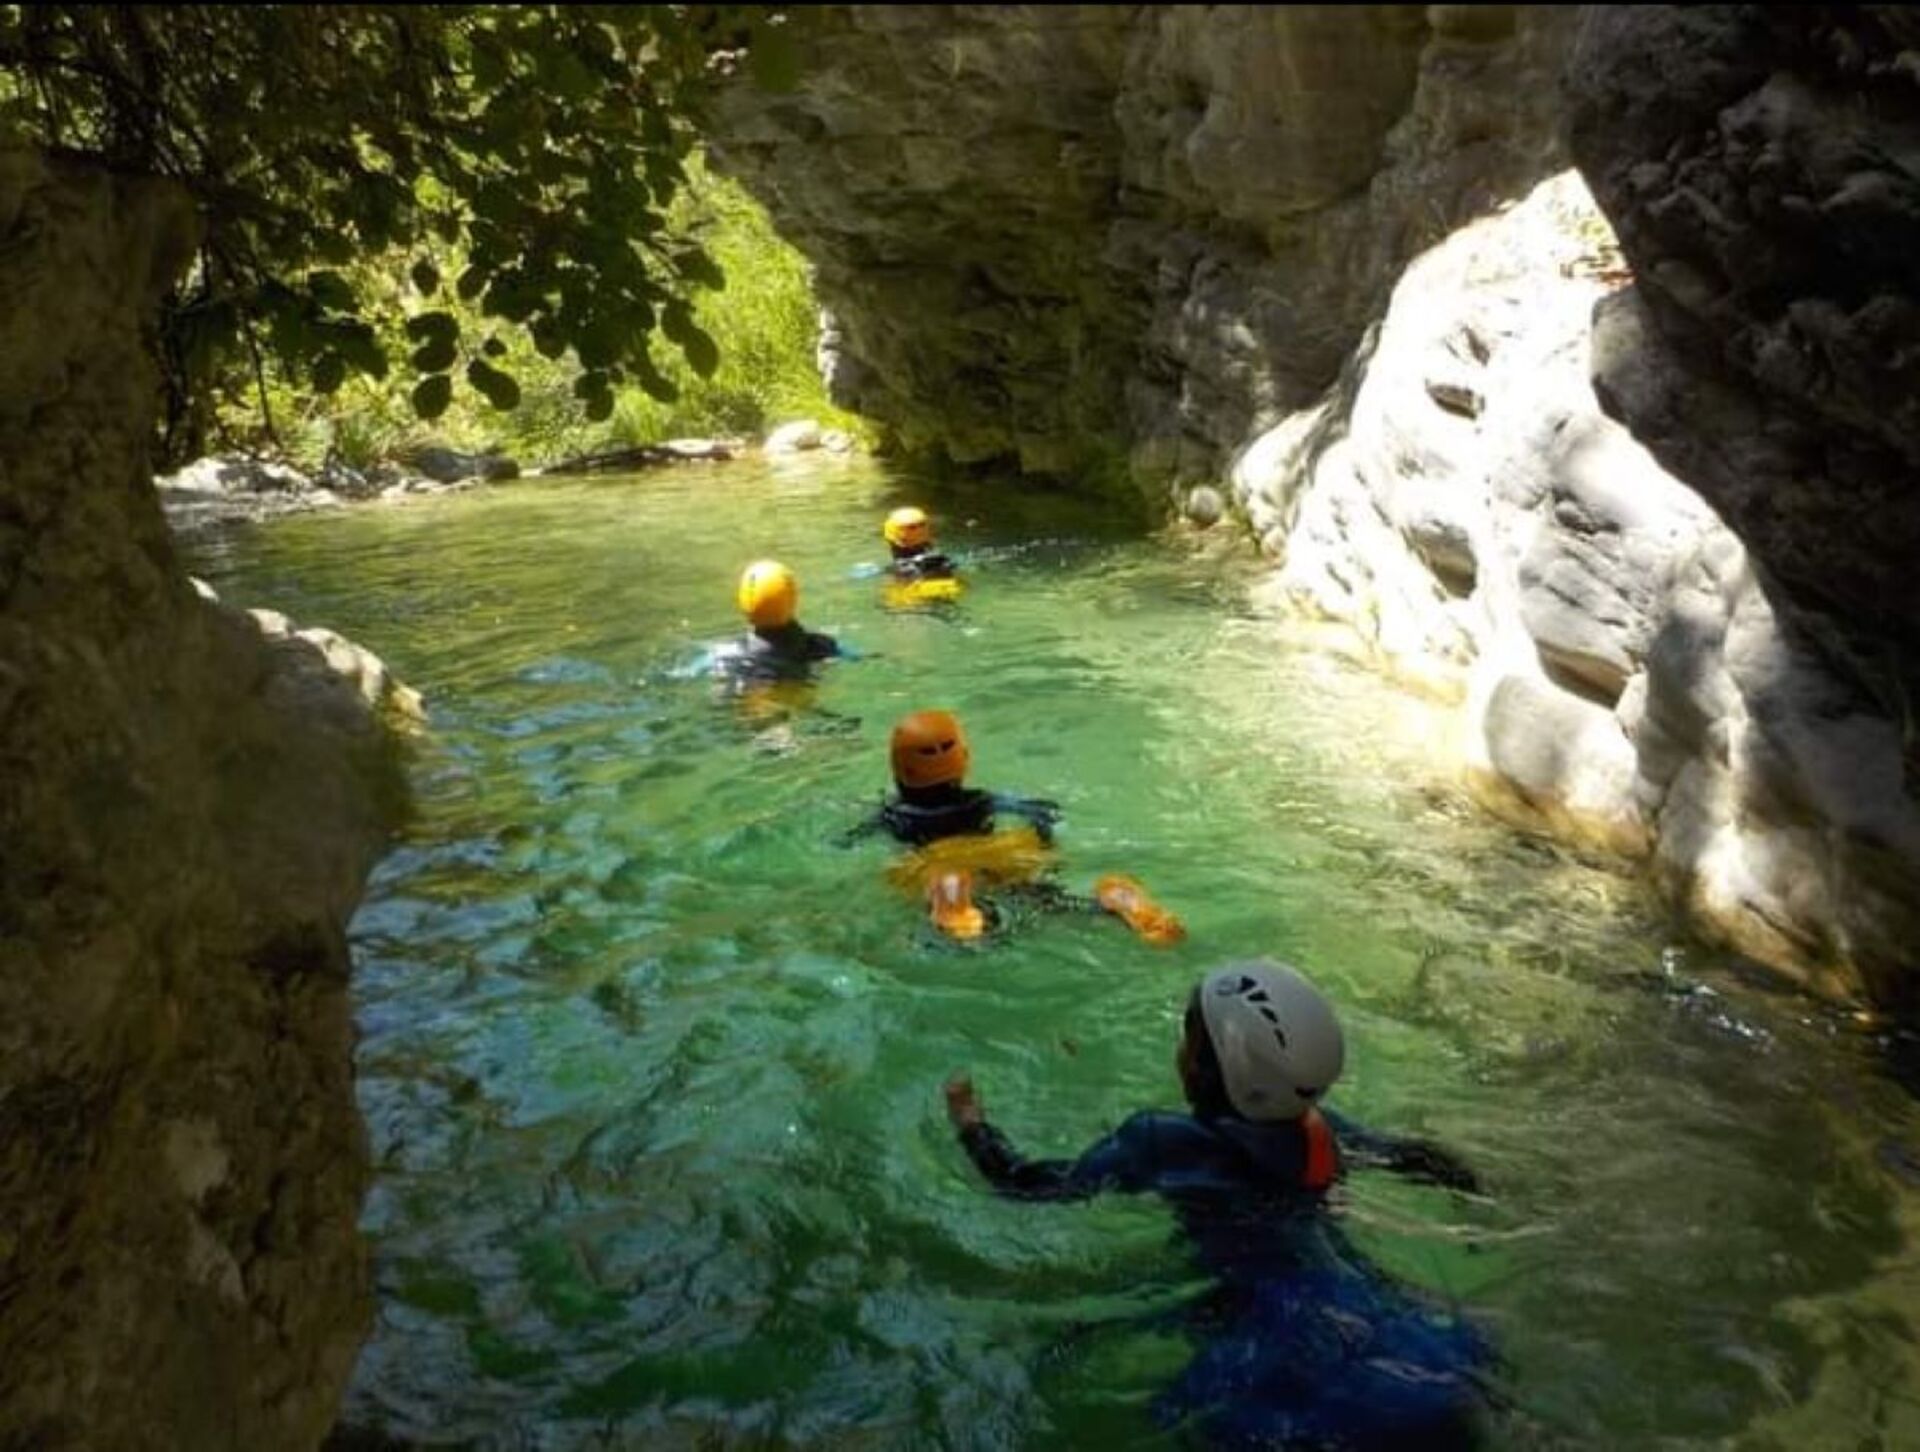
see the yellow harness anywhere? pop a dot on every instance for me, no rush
(1015, 855)
(905, 594)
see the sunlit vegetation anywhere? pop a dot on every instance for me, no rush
(416, 214)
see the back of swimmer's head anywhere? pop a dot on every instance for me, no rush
(769, 595)
(928, 749)
(908, 528)
(1270, 1046)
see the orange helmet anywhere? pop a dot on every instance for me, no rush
(907, 529)
(769, 595)
(929, 749)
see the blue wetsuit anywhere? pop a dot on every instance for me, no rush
(1303, 1344)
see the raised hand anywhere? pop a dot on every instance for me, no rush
(963, 1105)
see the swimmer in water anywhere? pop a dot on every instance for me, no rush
(917, 574)
(776, 647)
(1303, 1343)
(953, 828)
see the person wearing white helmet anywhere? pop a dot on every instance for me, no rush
(1260, 1048)
(1246, 1172)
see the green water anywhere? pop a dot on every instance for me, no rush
(651, 1067)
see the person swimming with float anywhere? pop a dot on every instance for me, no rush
(917, 574)
(909, 536)
(1303, 1344)
(777, 646)
(952, 825)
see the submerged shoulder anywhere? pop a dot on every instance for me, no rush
(1163, 1130)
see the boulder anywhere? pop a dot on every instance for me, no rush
(793, 438)
(452, 466)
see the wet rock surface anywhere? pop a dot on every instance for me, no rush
(1759, 164)
(186, 833)
(1628, 676)
(1080, 235)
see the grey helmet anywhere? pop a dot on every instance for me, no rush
(1277, 1040)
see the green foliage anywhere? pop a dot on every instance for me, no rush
(542, 144)
(764, 325)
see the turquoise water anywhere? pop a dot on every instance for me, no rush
(651, 1067)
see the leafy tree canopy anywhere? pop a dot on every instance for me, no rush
(542, 142)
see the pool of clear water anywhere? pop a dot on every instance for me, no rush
(651, 1064)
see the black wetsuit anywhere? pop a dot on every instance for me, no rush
(924, 563)
(1302, 1341)
(782, 653)
(919, 815)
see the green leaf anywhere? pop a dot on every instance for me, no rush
(700, 269)
(703, 354)
(510, 296)
(434, 356)
(500, 389)
(426, 277)
(774, 58)
(357, 344)
(562, 73)
(333, 246)
(432, 395)
(489, 62)
(548, 338)
(656, 383)
(330, 290)
(433, 325)
(598, 343)
(329, 372)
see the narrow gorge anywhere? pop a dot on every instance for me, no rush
(1560, 364)
(1645, 509)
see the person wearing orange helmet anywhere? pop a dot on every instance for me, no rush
(777, 646)
(953, 826)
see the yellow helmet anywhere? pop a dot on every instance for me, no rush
(769, 595)
(907, 529)
(928, 748)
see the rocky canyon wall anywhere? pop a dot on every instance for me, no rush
(1070, 234)
(190, 798)
(1644, 510)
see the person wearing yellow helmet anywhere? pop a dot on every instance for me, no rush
(1303, 1342)
(933, 810)
(909, 536)
(777, 646)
